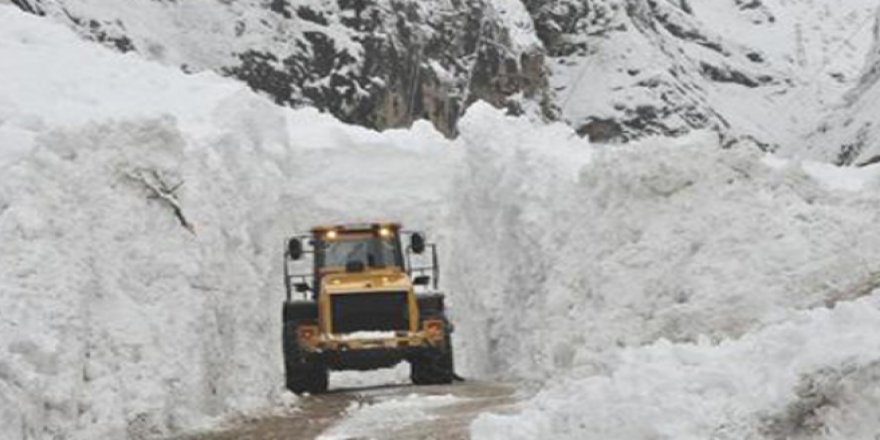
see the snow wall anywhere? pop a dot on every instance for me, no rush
(667, 290)
(643, 281)
(121, 316)
(671, 238)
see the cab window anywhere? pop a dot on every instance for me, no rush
(373, 252)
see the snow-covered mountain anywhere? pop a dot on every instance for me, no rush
(379, 63)
(760, 71)
(755, 70)
(849, 134)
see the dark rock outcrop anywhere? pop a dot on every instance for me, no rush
(660, 57)
(28, 6)
(377, 63)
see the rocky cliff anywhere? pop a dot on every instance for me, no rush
(755, 71)
(378, 63)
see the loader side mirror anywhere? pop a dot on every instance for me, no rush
(295, 249)
(301, 287)
(417, 243)
(422, 280)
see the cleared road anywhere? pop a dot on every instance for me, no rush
(393, 412)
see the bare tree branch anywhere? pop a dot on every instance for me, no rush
(160, 189)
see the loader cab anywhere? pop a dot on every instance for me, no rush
(363, 302)
(345, 253)
(356, 249)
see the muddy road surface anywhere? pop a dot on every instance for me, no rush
(394, 412)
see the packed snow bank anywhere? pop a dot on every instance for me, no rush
(813, 376)
(578, 255)
(142, 213)
(571, 254)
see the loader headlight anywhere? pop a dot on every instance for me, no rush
(384, 232)
(331, 234)
(308, 334)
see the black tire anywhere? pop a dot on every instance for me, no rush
(302, 375)
(299, 311)
(312, 379)
(430, 304)
(433, 366)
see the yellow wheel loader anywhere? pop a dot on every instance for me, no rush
(367, 302)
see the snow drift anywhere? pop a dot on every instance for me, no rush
(813, 376)
(623, 248)
(594, 253)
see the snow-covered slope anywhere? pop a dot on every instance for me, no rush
(850, 135)
(381, 64)
(761, 71)
(756, 71)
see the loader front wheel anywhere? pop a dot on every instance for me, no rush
(433, 366)
(307, 378)
(303, 375)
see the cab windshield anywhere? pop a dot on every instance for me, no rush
(369, 251)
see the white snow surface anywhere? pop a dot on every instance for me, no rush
(625, 248)
(516, 19)
(813, 376)
(365, 335)
(581, 256)
(691, 292)
(395, 414)
(850, 134)
(197, 35)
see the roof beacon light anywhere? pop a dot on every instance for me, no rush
(331, 234)
(384, 232)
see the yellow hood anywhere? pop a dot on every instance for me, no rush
(372, 280)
